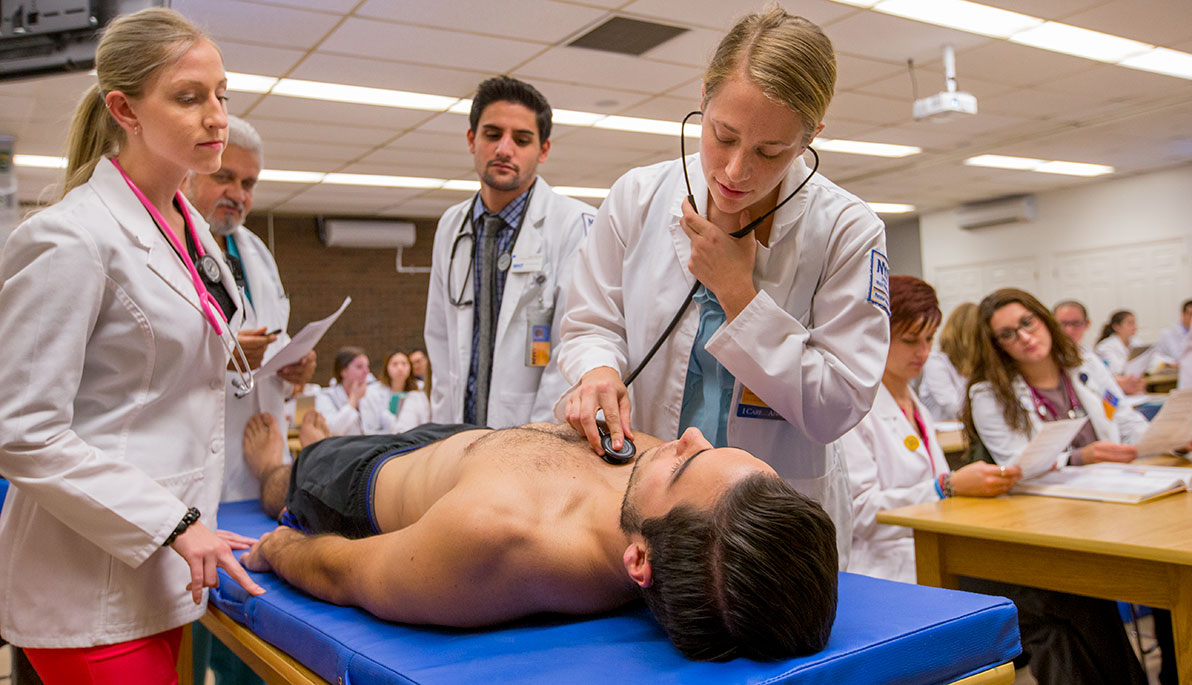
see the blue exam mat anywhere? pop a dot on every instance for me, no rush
(885, 632)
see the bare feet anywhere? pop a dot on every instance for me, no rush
(313, 429)
(264, 445)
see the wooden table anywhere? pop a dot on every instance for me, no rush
(1162, 381)
(1139, 553)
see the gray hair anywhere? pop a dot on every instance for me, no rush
(242, 134)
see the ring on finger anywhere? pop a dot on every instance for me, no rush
(1003, 469)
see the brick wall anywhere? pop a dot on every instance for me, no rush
(388, 308)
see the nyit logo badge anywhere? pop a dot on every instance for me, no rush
(589, 219)
(1110, 402)
(879, 281)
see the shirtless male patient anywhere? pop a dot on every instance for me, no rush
(465, 526)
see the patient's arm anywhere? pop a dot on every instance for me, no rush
(462, 564)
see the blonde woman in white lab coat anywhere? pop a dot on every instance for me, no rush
(111, 423)
(893, 456)
(784, 352)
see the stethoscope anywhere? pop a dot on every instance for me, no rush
(242, 385)
(504, 260)
(617, 457)
(1044, 405)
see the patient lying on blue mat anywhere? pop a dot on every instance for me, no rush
(457, 525)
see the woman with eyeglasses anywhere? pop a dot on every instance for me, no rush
(783, 351)
(1028, 372)
(117, 324)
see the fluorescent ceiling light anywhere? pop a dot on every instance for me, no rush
(571, 117)
(1074, 168)
(575, 191)
(859, 3)
(1040, 165)
(338, 92)
(639, 125)
(462, 107)
(890, 207)
(1003, 162)
(961, 15)
(383, 181)
(39, 161)
(857, 147)
(1162, 61)
(1073, 40)
(460, 184)
(250, 83)
(283, 176)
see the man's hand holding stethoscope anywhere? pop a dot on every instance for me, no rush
(600, 388)
(724, 264)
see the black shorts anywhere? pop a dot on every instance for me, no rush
(331, 482)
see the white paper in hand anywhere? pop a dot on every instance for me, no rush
(1052, 439)
(300, 344)
(1172, 426)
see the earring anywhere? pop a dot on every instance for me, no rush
(136, 129)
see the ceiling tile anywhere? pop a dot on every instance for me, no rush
(1012, 64)
(584, 98)
(721, 16)
(258, 59)
(693, 48)
(1150, 21)
(553, 21)
(260, 24)
(303, 131)
(596, 68)
(1050, 9)
(853, 106)
(385, 40)
(853, 72)
(894, 39)
(392, 119)
(375, 73)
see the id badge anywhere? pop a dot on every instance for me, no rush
(538, 324)
(753, 407)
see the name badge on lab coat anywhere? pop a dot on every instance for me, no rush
(526, 264)
(538, 323)
(752, 407)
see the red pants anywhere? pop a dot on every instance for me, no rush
(151, 660)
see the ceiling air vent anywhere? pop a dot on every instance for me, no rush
(626, 36)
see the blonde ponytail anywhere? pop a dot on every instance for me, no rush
(133, 48)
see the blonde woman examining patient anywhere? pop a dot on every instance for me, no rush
(118, 324)
(783, 349)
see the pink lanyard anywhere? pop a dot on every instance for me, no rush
(1042, 403)
(922, 432)
(210, 307)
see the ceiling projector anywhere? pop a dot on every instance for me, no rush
(950, 103)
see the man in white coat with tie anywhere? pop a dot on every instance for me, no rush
(501, 269)
(224, 199)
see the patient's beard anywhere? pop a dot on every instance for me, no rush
(631, 520)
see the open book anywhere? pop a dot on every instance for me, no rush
(1108, 482)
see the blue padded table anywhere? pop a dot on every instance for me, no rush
(885, 632)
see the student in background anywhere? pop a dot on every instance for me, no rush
(420, 364)
(1027, 372)
(944, 386)
(892, 455)
(1113, 346)
(1073, 319)
(1170, 347)
(396, 402)
(343, 403)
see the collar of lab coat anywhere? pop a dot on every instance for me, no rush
(529, 238)
(128, 211)
(784, 219)
(886, 408)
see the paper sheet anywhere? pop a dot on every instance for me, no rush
(304, 341)
(1139, 365)
(1172, 426)
(1043, 449)
(944, 426)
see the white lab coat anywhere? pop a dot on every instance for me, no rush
(111, 420)
(538, 278)
(942, 389)
(1171, 344)
(270, 307)
(1114, 353)
(885, 473)
(809, 345)
(1091, 381)
(376, 417)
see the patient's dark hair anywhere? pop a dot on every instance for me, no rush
(753, 577)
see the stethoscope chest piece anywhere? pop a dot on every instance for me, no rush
(613, 456)
(504, 261)
(209, 268)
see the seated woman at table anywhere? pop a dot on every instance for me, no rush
(945, 375)
(343, 403)
(394, 405)
(893, 456)
(1113, 345)
(1027, 372)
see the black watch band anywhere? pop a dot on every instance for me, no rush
(188, 519)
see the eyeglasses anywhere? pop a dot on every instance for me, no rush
(1071, 324)
(1028, 323)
